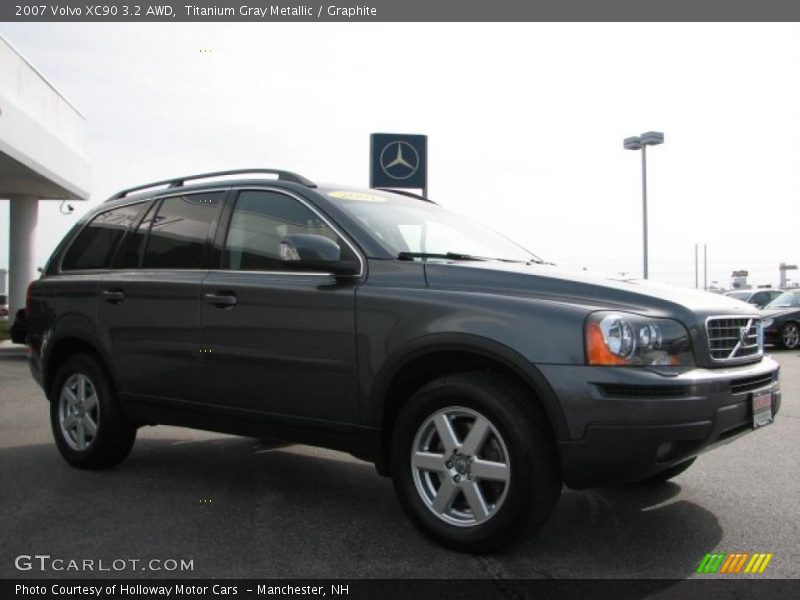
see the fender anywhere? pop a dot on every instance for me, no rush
(72, 326)
(462, 342)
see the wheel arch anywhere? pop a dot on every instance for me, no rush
(68, 345)
(437, 355)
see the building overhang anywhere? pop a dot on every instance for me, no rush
(42, 136)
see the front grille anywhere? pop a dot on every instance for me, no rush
(748, 384)
(732, 338)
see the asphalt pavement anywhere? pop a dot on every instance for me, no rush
(235, 507)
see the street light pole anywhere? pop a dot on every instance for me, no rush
(641, 142)
(644, 207)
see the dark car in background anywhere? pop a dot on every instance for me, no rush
(781, 320)
(476, 375)
(18, 328)
(3, 306)
(758, 298)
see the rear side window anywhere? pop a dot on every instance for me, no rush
(131, 255)
(95, 245)
(179, 231)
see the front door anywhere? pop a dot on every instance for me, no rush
(277, 342)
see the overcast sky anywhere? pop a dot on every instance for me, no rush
(525, 124)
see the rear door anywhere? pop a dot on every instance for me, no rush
(278, 342)
(148, 309)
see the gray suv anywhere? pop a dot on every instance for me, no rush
(477, 376)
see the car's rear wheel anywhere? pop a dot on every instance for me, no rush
(790, 335)
(88, 425)
(473, 462)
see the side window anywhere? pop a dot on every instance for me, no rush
(132, 249)
(259, 222)
(179, 231)
(95, 246)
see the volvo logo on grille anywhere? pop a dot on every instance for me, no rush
(743, 334)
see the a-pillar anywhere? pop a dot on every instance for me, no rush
(23, 216)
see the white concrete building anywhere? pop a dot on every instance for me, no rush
(42, 157)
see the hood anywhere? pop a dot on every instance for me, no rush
(777, 312)
(551, 283)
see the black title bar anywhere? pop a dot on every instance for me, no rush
(390, 589)
(398, 10)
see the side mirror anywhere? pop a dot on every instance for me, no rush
(315, 252)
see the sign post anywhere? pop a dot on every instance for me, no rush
(399, 160)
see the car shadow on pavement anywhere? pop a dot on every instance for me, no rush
(241, 508)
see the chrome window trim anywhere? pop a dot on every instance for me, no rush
(209, 271)
(313, 209)
(753, 320)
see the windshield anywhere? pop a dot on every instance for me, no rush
(412, 226)
(785, 300)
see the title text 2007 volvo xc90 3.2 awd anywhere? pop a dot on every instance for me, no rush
(480, 378)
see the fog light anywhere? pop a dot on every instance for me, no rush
(665, 450)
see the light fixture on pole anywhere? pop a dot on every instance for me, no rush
(641, 142)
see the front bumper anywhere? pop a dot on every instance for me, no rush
(627, 424)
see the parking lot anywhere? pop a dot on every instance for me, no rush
(238, 508)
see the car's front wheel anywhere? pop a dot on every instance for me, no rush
(473, 462)
(790, 335)
(88, 426)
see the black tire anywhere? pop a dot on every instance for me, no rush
(668, 474)
(519, 506)
(113, 436)
(790, 335)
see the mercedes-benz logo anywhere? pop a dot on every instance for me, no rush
(399, 160)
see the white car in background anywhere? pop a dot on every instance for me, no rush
(759, 298)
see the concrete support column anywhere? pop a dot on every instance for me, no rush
(23, 215)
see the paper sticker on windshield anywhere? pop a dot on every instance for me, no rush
(357, 196)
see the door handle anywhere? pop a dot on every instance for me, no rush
(113, 296)
(221, 300)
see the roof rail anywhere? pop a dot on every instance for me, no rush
(405, 193)
(180, 181)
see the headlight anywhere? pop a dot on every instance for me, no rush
(627, 339)
(766, 323)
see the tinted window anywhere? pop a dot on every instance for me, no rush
(131, 256)
(94, 248)
(179, 231)
(259, 222)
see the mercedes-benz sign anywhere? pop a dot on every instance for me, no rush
(398, 160)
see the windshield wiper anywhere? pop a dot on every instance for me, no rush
(460, 256)
(446, 255)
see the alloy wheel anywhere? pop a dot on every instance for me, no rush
(78, 412)
(791, 335)
(460, 466)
